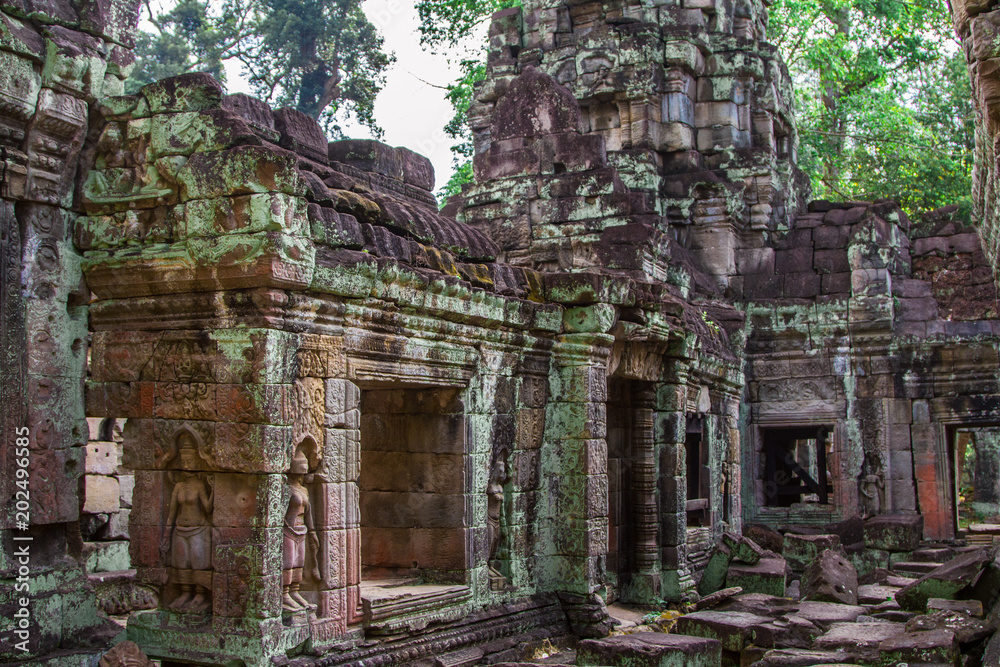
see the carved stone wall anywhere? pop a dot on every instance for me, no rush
(363, 429)
(663, 131)
(857, 323)
(58, 60)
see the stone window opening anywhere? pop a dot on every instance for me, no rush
(795, 462)
(699, 482)
(412, 500)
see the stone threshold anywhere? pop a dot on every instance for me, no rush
(390, 606)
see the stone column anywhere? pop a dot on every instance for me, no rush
(671, 401)
(573, 523)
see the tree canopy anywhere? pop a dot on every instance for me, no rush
(883, 97)
(322, 57)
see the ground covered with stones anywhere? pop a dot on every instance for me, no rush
(887, 600)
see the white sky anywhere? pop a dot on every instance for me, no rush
(410, 110)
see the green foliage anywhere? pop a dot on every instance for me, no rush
(883, 99)
(322, 57)
(446, 23)
(459, 177)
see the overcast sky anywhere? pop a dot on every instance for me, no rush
(411, 109)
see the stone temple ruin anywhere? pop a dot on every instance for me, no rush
(284, 411)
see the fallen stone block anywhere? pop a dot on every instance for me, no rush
(713, 578)
(913, 648)
(760, 604)
(973, 608)
(785, 657)
(650, 649)
(743, 549)
(865, 560)
(894, 532)
(875, 594)
(830, 578)
(826, 614)
(915, 568)
(800, 550)
(766, 537)
(892, 615)
(943, 582)
(716, 598)
(735, 630)
(991, 656)
(858, 637)
(767, 576)
(789, 632)
(933, 555)
(965, 628)
(125, 653)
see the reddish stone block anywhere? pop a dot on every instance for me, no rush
(255, 403)
(176, 400)
(247, 551)
(144, 546)
(237, 596)
(333, 558)
(54, 478)
(353, 556)
(332, 604)
(333, 504)
(258, 501)
(150, 502)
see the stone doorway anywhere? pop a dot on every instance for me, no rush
(974, 458)
(413, 506)
(633, 515)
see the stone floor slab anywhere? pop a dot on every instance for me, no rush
(650, 649)
(825, 614)
(851, 637)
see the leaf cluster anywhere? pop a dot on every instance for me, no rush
(322, 57)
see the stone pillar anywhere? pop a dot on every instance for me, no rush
(245, 500)
(573, 525)
(671, 401)
(58, 60)
(931, 472)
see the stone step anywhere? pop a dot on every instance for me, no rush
(934, 555)
(915, 567)
(984, 528)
